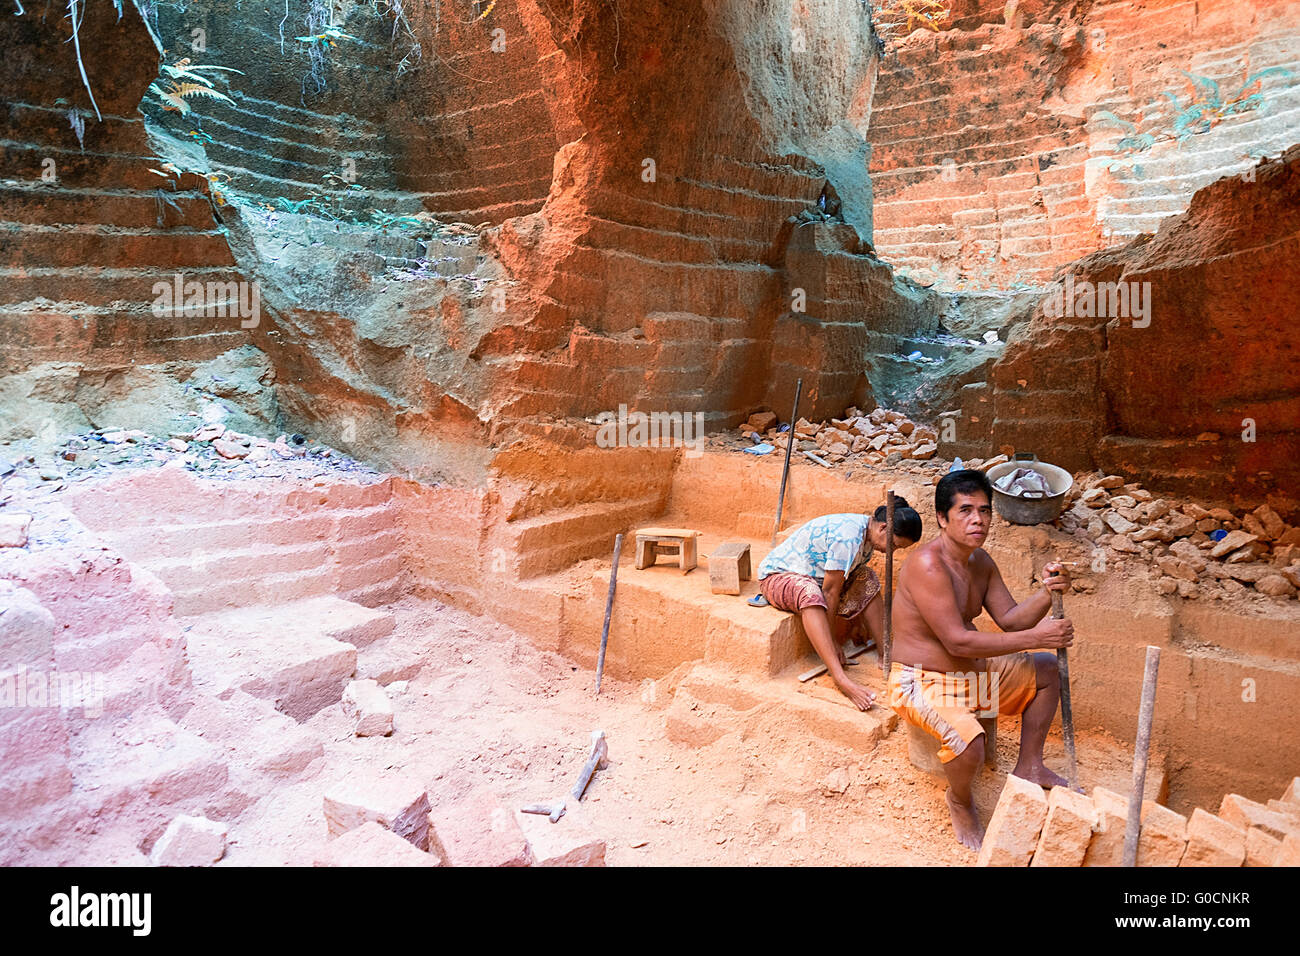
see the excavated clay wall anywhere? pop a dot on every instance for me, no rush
(86, 230)
(1197, 393)
(993, 159)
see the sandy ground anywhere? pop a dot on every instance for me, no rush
(489, 710)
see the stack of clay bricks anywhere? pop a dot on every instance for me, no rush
(1065, 828)
(389, 822)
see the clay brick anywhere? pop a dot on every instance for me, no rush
(1261, 849)
(1286, 808)
(1213, 842)
(1288, 854)
(372, 845)
(1250, 815)
(1107, 846)
(1012, 834)
(478, 830)
(1067, 829)
(398, 803)
(13, 530)
(190, 841)
(1163, 837)
(1292, 793)
(569, 842)
(365, 702)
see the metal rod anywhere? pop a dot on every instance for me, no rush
(785, 470)
(886, 658)
(1140, 753)
(849, 654)
(609, 607)
(1067, 711)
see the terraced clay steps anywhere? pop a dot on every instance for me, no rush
(981, 178)
(86, 232)
(298, 656)
(711, 701)
(664, 618)
(219, 545)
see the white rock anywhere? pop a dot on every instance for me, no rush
(13, 530)
(368, 706)
(190, 841)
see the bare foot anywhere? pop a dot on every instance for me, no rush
(1041, 776)
(965, 822)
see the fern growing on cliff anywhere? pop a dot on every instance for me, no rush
(1203, 110)
(185, 81)
(1206, 108)
(926, 13)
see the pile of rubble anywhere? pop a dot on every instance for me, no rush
(210, 449)
(1192, 550)
(882, 437)
(1029, 828)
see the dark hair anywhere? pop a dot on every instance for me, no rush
(964, 482)
(907, 523)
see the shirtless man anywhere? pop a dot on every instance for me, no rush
(945, 673)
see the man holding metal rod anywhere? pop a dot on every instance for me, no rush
(946, 673)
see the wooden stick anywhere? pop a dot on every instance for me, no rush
(820, 669)
(609, 607)
(887, 655)
(1140, 753)
(1067, 712)
(785, 470)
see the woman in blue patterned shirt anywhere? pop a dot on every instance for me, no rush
(820, 573)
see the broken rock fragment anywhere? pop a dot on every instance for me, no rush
(365, 702)
(190, 841)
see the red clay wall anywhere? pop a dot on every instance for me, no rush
(989, 154)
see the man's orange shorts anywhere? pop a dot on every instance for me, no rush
(947, 706)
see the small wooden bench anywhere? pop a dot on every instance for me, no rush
(652, 542)
(728, 566)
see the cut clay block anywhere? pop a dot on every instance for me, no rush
(190, 841)
(1213, 842)
(1012, 834)
(1288, 854)
(1248, 814)
(568, 842)
(1107, 846)
(398, 803)
(371, 844)
(1286, 808)
(369, 709)
(478, 830)
(1163, 837)
(1067, 830)
(1292, 792)
(1261, 849)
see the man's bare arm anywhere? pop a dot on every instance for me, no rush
(1002, 607)
(938, 606)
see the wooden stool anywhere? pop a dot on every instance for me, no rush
(923, 750)
(728, 566)
(652, 542)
